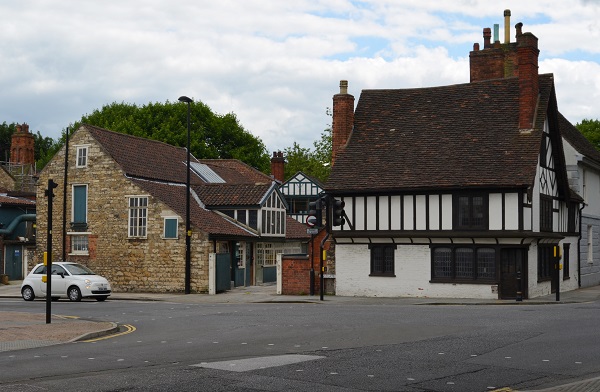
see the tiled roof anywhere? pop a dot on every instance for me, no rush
(577, 140)
(216, 195)
(144, 158)
(174, 196)
(464, 135)
(295, 230)
(16, 201)
(234, 171)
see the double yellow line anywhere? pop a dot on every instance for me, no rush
(129, 329)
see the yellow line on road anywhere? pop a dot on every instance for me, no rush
(130, 329)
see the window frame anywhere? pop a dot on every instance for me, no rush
(74, 243)
(546, 213)
(545, 270)
(456, 211)
(81, 156)
(170, 218)
(384, 270)
(140, 228)
(473, 266)
(566, 261)
(74, 209)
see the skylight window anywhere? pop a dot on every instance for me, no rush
(206, 173)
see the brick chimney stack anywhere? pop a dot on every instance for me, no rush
(516, 59)
(278, 166)
(343, 119)
(527, 54)
(22, 146)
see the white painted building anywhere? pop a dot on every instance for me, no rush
(456, 191)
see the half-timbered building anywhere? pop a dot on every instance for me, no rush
(299, 190)
(456, 191)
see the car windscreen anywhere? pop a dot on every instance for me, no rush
(78, 269)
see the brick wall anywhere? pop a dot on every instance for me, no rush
(343, 119)
(296, 275)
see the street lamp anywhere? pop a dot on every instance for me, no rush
(188, 230)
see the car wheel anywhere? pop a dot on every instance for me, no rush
(27, 293)
(74, 294)
(100, 299)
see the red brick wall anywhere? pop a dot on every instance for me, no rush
(296, 269)
(22, 146)
(296, 275)
(278, 166)
(343, 119)
(528, 78)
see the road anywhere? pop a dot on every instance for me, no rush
(382, 346)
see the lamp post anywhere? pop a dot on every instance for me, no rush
(188, 230)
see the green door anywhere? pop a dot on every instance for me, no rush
(14, 262)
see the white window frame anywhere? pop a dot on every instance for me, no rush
(137, 217)
(80, 248)
(176, 218)
(81, 156)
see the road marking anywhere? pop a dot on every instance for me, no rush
(248, 364)
(130, 328)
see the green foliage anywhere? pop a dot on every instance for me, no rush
(44, 147)
(591, 130)
(6, 131)
(213, 136)
(314, 163)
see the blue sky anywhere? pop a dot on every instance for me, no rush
(275, 64)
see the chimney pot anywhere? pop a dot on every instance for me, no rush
(476, 47)
(519, 28)
(487, 37)
(343, 87)
(506, 26)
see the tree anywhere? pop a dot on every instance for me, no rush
(315, 163)
(213, 136)
(591, 130)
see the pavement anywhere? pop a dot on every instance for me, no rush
(21, 330)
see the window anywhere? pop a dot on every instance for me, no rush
(79, 244)
(382, 260)
(546, 213)
(545, 262)
(566, 261)
(470, 212)
(138, 216)
(171, 225)
(273, 216)
(80, 203)
(590, 244)
(463, 264)
(82, 155)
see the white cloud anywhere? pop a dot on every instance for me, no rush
(275, 64)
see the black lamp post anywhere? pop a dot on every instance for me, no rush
(188, 230)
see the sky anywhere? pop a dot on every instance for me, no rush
(275, 64)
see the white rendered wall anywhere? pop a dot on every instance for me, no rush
(412, 268)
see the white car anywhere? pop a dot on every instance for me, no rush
(69, 280)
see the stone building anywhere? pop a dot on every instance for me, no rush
(126, 213)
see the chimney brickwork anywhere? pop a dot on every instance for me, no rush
(517, 59)
(22, 146)
(528, 79)
(278, 166)
(343, 119)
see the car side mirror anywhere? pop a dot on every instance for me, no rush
(62, 274)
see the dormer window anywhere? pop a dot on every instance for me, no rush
(82, 156)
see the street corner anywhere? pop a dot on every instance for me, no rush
(20, 330)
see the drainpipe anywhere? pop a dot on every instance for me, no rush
(579, 246)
